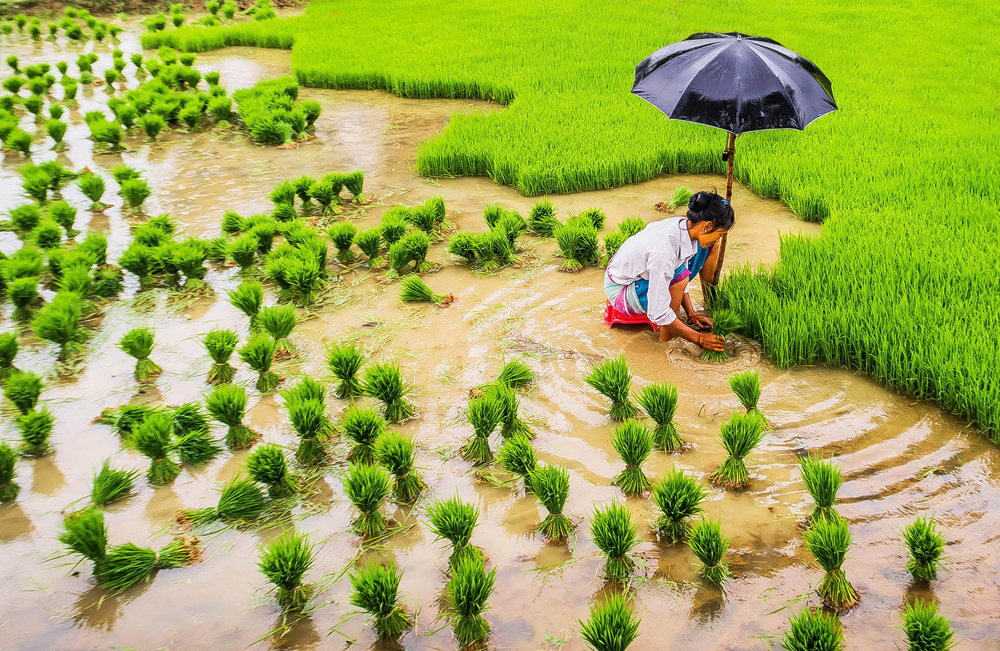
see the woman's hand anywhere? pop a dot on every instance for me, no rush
(699, 321)
(708, 341)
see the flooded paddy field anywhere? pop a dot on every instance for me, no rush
(900, 459)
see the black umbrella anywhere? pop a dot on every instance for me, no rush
(734, 82)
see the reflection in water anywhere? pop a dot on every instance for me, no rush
(294, 631)
(14, 522)
(708, 604)
(47, 479)
(97, 610)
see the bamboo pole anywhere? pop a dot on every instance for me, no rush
(730, 156)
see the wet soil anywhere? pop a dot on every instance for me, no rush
(900, 459)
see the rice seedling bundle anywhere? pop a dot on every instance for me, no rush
(393, 224)
(47, 235)
(746, 386)
(926, 547)
(278, 321)
(139, 260)
(823, 480)
(680, 197)
(22, 389)
(615, 535)
(248, 298)
(270, 112)
(829, 540)
(8, 471)
(517, 455)
(542, 220)
(414, 289)
(8, 351)
(724, 323)
(515, 374)
(376, 591)
(111, 484)
(189, 259)
(633, 441)
(739, 436)
(631, 226)
(25, 217)
(194, 444)
(126, 418)
(370, 243)
(128, 564)
(925, 629)
(138, 343)
(469, 590)
(659, 401)
(706, 540)
(22, 293)
(35, 428)
(484, 415)
(85, 534)
(92, 186)
(243, 250)
(367, 487)
(220, 345)
(34, 103)
(365, 427)
(345, 362)
(284, 192)
(342, 235)
(578, 245)
(611, 626)
(464, 245)
(384, 381)
(510, 423)
(411, 247)
(153, 439)
(35, 183)
(613, 379)
(135, 192)
(241, 499)
(227, 404)
(18, 140)
(65, 215)
(395, 452)
(453, 520)
(267, 465)
(258, 353)
(264, 232)
(550, 483)
(678, 497)
(428, 216)
(612, 242)
(809, 631)
(26, 262)
(284, 562)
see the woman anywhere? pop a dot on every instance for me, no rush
(650, 272)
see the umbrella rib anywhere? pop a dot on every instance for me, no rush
(786, 82)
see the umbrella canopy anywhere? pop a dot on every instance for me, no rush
(734, 82)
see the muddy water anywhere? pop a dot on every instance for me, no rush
(900, 459)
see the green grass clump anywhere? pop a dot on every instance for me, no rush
(22, 390)
(138, 343)
(248, 298)
(551, 486)
(227, 404)
(384, 381)
(926, 547)
(345, 362)
(724, 323)
(284, 562)
(367, 487)
(414, 289)
(258, 353)
(518, 456)
(678, 497)
(809, 631)
(8, 471)
(241, 499)
(454, 520)
(376, 591)
(35, 428)
(746, 386)
(220, 345)
(484, 414)
(153, 439)
(395, 452)
(613, 379)
(469, 590)
(822, 479)
(739, 436)
(706, 540)
(926, 630)
(611, 626)
(111, 484)
(659, 401)
(365, 427)
(633, 442)
(615, 535)
(829, 541)
(267, 465)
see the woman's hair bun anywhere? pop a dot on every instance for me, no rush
(699, 201)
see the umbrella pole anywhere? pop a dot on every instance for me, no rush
(731, 155)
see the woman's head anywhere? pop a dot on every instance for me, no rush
(709, 216)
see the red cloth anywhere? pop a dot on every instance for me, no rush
(613, 316)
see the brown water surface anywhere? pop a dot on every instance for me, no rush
(900, 459)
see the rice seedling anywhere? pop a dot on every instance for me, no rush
(56, 129)
(65, 215)
(395, 452)
(35, 428)
(135, 192)
(550, 483)
(35, 103)
(308, 417)
(484, 414)
(706, 540)
(19, 140)
(258, 353)
(678, 497)
(746, 386)
(367, 487)
(823, 480)
(615, 535)
(153, 438)
(227, 404)
(138, 343)
(92, 186)
(633, 441)
(22, 389)
(220, 345)
(414, 289)
(47, 235)
(111, 484)
(194, 444)
(22, 292)
(454, 521)
(342, 235)
(278, 321)
(376, 591)
(578, 245)
(925, 629)
(926, 547)
(517, 455)
(412, 247)
(542, 220)
(631, 226)
(8, 471)
(85, 534)
(612, 242)
(659, 401)
(243, 250)
(248, 298)
(24, 218)
(141, 261)
(810, 631)
(284, 562)
(680, 197)
(464, 245)
(829, 541)
(126, 418)
(370, 243)
(59, 320)
(515, 374)
(241, 499)
(284, 192)
(8, 351)
(267, 465)
(365, 427)
(345, 362)
(611, 626)
(510, 423)
(469, 590)
(613, 379)
(384, 382)
(724, 323)
(739, 436)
